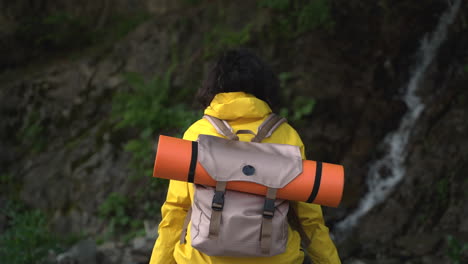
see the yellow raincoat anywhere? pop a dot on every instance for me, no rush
(242, 111)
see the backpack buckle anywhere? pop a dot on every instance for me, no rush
(269, 208)
(218, 201)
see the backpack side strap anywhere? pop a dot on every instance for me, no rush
(271, 123)
(222, 127)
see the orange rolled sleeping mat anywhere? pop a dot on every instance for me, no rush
(319, 183)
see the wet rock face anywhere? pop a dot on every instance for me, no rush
(428, 206)
(41, 30)
(71, 164)
(59, 140)
(74, 159)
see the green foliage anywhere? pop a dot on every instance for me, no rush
(146, 109)
(442, 188)
(55, 31)
(5, 179)
(292, 18)
(117, 209)
(456, 250)
(10, 185)
(220, 38)
(61, 30)
(192, 2)
(314, 14)
(149, 107)
(466, 68)
(422, 218)
(300, 108)
(115, 206)
(279, 5)
(284, 77)
(296, 107)
(120, 26)
(31, 133)
(141, 148)
(124, 214)
(28, 238)
(151, 207)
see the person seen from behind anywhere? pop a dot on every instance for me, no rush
(242, 90)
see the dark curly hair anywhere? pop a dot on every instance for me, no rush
(240, 70)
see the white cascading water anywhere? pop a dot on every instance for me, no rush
(385, 173)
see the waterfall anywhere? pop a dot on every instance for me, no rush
(386, 173)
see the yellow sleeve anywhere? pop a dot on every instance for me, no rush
(173, 213)
(321, 249)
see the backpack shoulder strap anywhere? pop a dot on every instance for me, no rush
(271, 123)
(265, 130)
(222, 127)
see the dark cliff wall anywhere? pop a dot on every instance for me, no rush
(58, 138)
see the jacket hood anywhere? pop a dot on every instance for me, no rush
(233, 105)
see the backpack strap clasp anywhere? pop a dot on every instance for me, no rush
(217, 208)
(267, 225)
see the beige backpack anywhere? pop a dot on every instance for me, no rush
(230, 223)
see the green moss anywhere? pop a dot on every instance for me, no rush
(299, 108)
(28, 239)
(62, 32)
(115, 208)
(121, 212)
(289, 19)
(120, 26)
(149, 107)
(55, 31)
(295, 108)
(193, 2)
(314, 14)
(10, 185)
(279, 5)
(442, 188)
(220, 38)
(456, 250)
(32, 134)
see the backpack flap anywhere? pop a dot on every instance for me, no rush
(271, 165)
